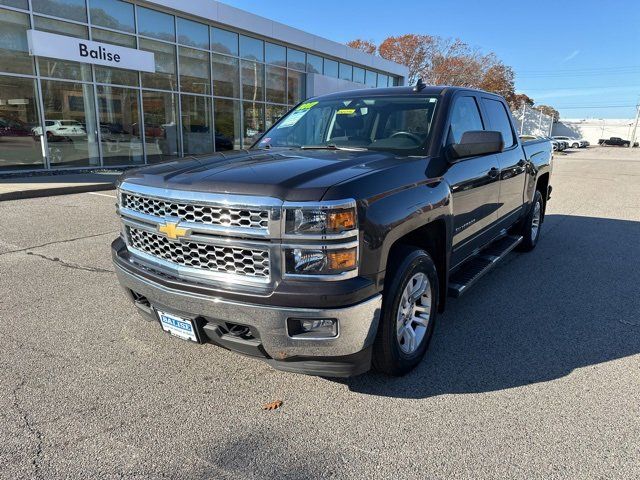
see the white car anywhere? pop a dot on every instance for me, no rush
(60, 128)
(573, 142)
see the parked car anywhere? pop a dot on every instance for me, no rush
(616, 142)
(572, 142)
(13, 127)
(332, 243)
(59, 128)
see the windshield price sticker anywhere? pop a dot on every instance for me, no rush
(306, 106)
(346, 111)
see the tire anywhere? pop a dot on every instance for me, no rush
(575, 145)
(530, 229)
(395, 351)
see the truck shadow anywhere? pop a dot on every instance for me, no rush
(571, 303)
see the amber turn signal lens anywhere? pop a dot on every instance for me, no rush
(342, 259)
(341, 221)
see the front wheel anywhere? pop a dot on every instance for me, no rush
(530, 230)
(409, 312)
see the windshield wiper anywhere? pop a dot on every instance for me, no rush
(332, 146)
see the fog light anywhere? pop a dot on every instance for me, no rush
(312, 327)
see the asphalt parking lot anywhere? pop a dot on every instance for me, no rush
(534, 374)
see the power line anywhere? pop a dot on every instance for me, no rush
(592, 106)
(579, 87)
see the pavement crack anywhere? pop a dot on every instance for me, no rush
(28, 424)
(74, 266)
(59, 242)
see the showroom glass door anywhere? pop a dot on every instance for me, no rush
(120, 130)
(70, 124)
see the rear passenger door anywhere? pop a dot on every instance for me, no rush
(511, 160)
(473, 182)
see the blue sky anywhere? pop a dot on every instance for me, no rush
(582, 57)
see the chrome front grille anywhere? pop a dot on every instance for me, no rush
(245, 262)
(194, 213)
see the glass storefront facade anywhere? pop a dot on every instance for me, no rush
(213, 89)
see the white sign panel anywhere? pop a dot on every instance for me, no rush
(46, 44)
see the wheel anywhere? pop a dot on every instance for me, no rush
(530, 229)
(575, 145)
(409, 310)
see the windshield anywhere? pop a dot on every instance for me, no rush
(377, 123)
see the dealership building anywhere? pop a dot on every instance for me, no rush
(109, 83)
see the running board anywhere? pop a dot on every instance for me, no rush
(476, 267)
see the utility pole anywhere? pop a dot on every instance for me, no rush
(635, 126)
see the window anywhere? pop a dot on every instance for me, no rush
(251, 48)
(358, 75)
(119, 116)
(195, 71)
(296, 87)
(71, 9)
(465, 117)
(160, 129)
(314, 64)
(382, 80)
(273, 114)
(223, 41)
(23, 4)
(54, 67)
(371, 79)
(253, 127)
(275, 54)
(193, 33)
(499, 121)
(197, 131)
(346, 72)
(117, 76)
(156, 24)
(14, 51)
(226, 76)
(252, 81)
(72, 135)
(20, 128)
(276, 84)
(296, 59)
(165, 58)
(227, 124)
(330, 68)
(113, 14)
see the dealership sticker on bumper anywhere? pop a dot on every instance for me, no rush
(180, 327)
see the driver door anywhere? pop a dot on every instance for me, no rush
(474, 183)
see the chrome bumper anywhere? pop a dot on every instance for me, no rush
(357, 324)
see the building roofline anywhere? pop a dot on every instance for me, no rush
(236, 18)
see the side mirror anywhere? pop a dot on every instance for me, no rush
(476, 143)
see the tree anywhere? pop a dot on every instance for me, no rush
(547, 110)
(414, 51)
(366, 46)
(518, 99)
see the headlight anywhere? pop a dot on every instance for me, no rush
(333, 218)
(320, 261)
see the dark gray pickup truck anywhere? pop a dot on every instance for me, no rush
(332, 244)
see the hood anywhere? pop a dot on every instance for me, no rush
(293, 175)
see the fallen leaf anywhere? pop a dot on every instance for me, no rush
(272, 405)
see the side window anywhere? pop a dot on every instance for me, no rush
(465, 117)
(499, 120)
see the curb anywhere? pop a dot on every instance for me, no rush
(53, 191)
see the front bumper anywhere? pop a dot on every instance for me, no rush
(347, 354)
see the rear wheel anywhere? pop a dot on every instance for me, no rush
(532, 224)
(408, 313)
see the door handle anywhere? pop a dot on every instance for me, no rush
(494, 172)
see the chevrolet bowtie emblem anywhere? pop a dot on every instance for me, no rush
(172, 230)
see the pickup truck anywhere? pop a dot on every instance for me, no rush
(331, 245)
(616, 142)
